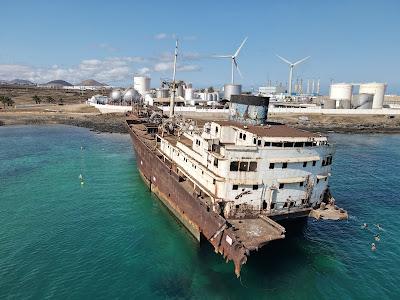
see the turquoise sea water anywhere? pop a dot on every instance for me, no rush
(110, 238)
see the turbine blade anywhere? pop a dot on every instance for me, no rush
(237, 67)
(301, 60)
(222, 56)
(240, 47)
(284, 59)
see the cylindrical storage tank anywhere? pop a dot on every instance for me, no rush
(377, 89)
(162, 93)
(189, 93)
(209, 97)
(362, 101)
(232, 89)
(141, 84)
(249, 109)
(215, 96)
(343, 104)
(179, 91)
(341, 91)
(329, 103)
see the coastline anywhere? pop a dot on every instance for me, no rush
(115, 122)
(110, 123)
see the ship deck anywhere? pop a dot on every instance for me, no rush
(271, 130)
(254, 233)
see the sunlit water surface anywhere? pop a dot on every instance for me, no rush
(110, 238)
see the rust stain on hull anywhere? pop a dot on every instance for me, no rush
(189, 210)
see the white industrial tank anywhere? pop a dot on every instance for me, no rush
(362, 101)
(341, 91)
(141, 84)
(179, 91)
(131, 95)
(232, 89)
(116, 95)
(189, 93)
(377, 89)
(329, 103)
(162, 93)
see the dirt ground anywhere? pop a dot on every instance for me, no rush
(22, 95)
(337, 123)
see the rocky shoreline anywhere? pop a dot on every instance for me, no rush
(115, 123)
(111, 123)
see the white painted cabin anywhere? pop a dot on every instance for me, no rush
(250, 169)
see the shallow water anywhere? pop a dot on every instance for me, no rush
(110, 238)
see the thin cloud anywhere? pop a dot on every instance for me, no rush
(161, 36)
(189, 68)
(173, 36)
(168, 66)
(107, 70)
(144, 71)
(163, 66)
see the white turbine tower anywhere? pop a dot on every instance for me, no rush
(291, 67)
(234, 62)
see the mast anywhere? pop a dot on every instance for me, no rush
(172, 103)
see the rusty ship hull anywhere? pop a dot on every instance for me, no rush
(165, 183)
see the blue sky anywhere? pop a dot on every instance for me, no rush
(350, 41)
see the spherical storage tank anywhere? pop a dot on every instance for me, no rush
(232, 89)
(377, 89)
(116, 95)
(131, 95)
(341, 91)
(141, 84)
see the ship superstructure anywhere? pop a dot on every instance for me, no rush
(247, 170)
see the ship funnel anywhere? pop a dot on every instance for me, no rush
(249, 109)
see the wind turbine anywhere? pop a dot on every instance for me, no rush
(291, 67)
(234, 62)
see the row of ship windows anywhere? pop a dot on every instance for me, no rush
(235, 187)
(243, 166)
(281, 144)
(286, 144)
(325, 162)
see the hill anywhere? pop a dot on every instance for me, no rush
(21, 82)
(58, 83)
(91, 82)
(17, 82)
